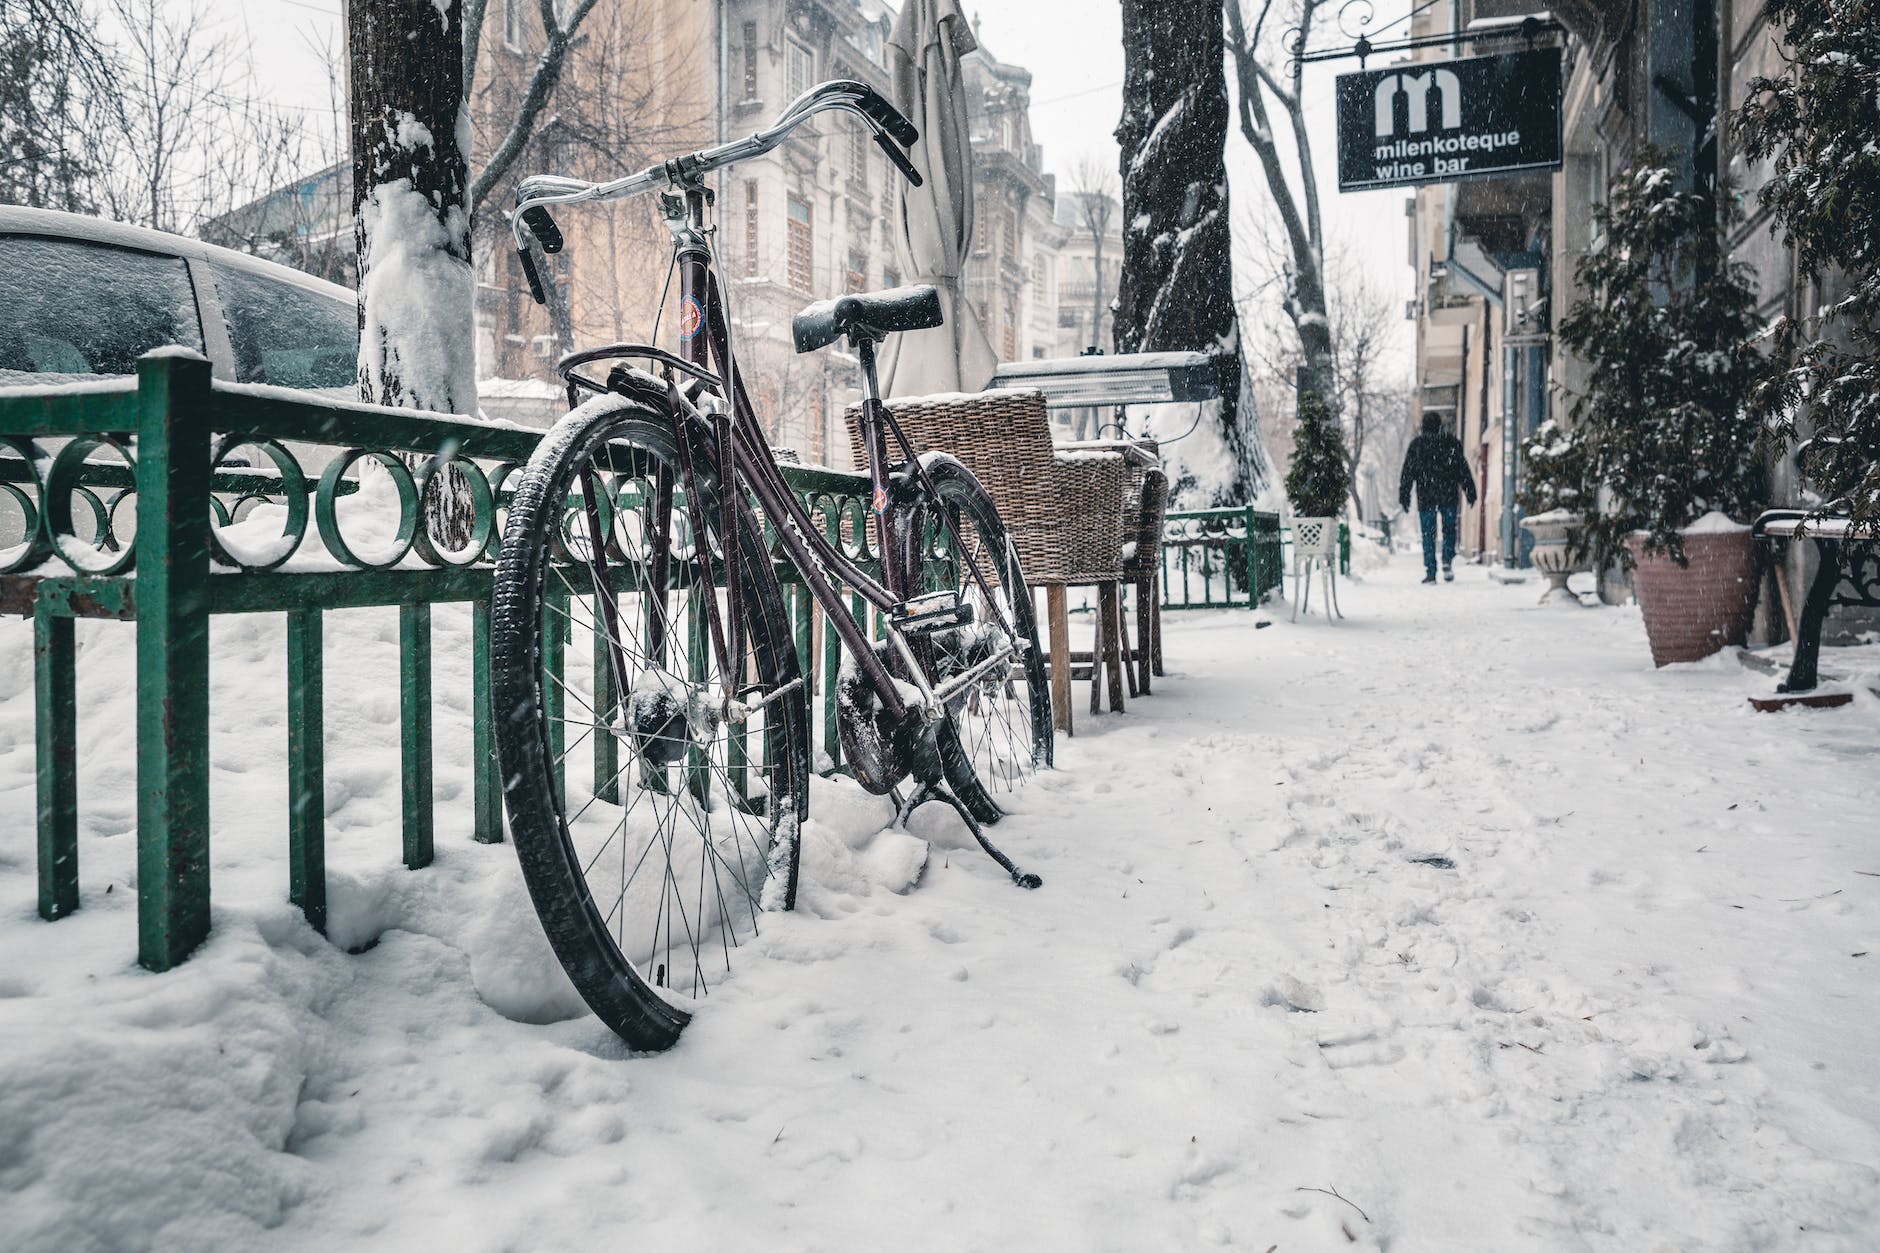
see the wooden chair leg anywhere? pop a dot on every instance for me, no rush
(1058, 611)
(1110, 611)
(1122, 635)
(1145, 631)
(1155, 600)
(1097, 654)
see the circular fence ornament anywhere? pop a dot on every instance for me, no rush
(325, 508)
(294, 500)
(100, 555)
(32, 547)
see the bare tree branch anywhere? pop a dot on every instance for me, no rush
(542, 85)
(1256, 128)
(473, 11)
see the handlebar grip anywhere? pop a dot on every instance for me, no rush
(535, 279)
(891, 119)
(543, 227)
(899, 159)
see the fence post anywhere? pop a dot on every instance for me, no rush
(606, 701)
(486, 783)
(172, 656)
(56, 720)
(1253, 558)
(306, 766)
(414, 688)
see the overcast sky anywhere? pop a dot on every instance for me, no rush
(1074, 51)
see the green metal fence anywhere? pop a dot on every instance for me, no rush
(170, 440)
(1220, 558)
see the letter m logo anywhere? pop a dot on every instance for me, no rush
(1417, 88)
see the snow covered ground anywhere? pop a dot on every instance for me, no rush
(1453, 926)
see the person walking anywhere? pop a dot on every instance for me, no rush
(1436, 467)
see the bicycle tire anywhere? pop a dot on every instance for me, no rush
(616, 979)
(998, 732)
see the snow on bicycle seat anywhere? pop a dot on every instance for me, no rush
(866, 315)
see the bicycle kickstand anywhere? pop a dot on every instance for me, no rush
(934, 792)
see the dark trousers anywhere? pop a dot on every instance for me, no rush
(1427, 517)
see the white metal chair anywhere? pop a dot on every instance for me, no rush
(1315, 543)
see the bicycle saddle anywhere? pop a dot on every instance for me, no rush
(866, 315)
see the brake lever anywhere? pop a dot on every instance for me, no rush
(535, 278)
(898, 158)
(542, 226)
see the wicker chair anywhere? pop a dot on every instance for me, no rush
(1146, 503)
(1064, 511)
(1145, 507)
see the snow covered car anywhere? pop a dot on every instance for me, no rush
(81, 297)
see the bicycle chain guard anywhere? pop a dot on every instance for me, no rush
(879, 750)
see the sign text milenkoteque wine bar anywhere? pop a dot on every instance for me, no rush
(1439, 121)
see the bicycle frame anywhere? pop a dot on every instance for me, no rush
(741, 448)
(739, 433)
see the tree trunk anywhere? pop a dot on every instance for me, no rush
(410, 216)
(1177, 288)
(411, 220)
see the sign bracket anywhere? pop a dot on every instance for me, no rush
(1529, 28)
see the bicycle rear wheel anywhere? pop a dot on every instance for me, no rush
(1000, 731)
(653, 825)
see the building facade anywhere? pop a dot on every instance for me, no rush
(810, 220)
(1496, 258)
(647, 79)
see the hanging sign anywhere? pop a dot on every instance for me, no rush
(1439, 121)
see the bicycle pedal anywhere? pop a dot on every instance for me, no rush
(936, 611)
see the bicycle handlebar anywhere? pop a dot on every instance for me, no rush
(531, 220)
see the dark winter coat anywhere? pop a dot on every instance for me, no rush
(1437, 467)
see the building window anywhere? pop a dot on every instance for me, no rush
(1038, 286)
(750, 228)
(750, 60)
(802, 68)
(1008, 232)
(858, 154)
(802, 249)
(982, 225)
(858, 270)
(1011, 339)
(890, 278)
(515, 28)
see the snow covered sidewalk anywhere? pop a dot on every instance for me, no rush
(1451, 927)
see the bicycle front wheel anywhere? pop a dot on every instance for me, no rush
(655, 825)
(1000, 731)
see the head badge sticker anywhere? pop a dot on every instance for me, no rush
(691, 317)
(881, 500)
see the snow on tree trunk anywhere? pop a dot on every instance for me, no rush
(1176, 291)
(410, 140)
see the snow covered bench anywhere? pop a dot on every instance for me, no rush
(1847, 573)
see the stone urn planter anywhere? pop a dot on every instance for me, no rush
(1692, 611)
(1553, 555)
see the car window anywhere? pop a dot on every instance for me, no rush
(70, 306)
(286, 335)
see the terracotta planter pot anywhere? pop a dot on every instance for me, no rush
(1692, 611)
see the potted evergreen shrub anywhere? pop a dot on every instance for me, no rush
(1319, 477)
(1549, 498)
(1663, 466)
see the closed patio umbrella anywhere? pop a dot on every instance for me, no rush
(935, 227)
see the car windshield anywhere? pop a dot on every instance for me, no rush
(285, 334)
(74, 307)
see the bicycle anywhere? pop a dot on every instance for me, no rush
(645, 526)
